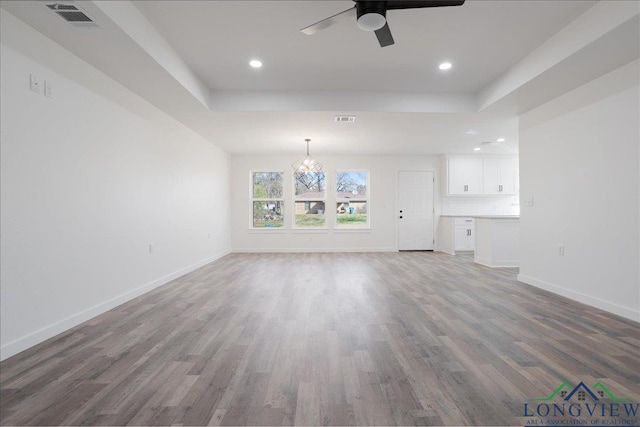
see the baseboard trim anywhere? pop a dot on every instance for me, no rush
(498, 264)
(583, 298)
(308, 250)
(446, 252)
(14, 347)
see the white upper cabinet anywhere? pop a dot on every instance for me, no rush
(465, 176)
(500, 176)
(477, 176)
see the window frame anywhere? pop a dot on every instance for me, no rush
(294, 223)
(253, 199)
(367, 226)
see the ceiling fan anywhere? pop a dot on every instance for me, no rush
(371, 16)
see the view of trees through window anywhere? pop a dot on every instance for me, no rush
(310, 199)
(352, 199)
(268, 203)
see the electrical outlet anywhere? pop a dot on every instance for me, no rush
(528, 201)
(34, 83)
(48, 89)
(151, 248)
(561, 250)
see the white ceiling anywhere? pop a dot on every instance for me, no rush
(190, 59)
(481, 38)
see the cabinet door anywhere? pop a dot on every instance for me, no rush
(508, 176)
(464, 176)
(455, 177)
(471, 240)
(461, 238)
(464, 235)
(473, 176)
(491, 177)
(500, 176)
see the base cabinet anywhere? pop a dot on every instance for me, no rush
(498, 242)
(465, 234)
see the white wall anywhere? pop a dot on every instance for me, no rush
(579, 161)
(382, 235)
(88, 180)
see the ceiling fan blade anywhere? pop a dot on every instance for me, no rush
(384, 36)
(338, 17)
(416, 4)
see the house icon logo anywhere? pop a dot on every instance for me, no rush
(595, 405)
(582, 392)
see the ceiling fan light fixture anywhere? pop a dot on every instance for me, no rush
(371, 15)
(371, 21)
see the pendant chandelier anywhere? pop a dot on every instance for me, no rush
(308, 164)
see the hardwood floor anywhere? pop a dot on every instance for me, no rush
(338, 339)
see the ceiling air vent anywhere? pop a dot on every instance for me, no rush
(346, 119)
(72, 14)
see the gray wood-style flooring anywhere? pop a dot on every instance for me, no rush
(310, 339)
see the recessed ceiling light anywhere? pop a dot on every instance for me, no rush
(255, 63)
(500, 139)
(445, 65)
(476, 149)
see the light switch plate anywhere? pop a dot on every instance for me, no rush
(34, 83)
(48, 89)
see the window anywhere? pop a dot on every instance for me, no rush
(267, 199)
(309, 199)
(352, 199)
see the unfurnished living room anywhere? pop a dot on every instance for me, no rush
(320, 212)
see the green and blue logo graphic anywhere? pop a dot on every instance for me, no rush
(566, 391)
(580, 403)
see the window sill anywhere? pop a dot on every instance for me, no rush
(268, 230)
(308, 230)
(318, 230)
(352, 230)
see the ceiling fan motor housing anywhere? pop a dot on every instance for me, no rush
(371, 14)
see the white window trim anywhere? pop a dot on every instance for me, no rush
(252, 200)
(294, 226)
(366, 227)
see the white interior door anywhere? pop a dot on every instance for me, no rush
(415, 205)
